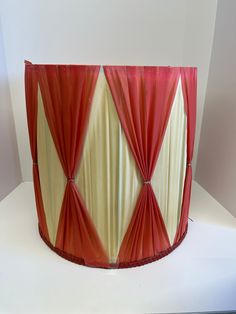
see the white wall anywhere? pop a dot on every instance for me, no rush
(199, 34)
(154, 32)
(216, 168)
(10, 173)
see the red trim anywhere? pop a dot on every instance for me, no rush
(27, 62)
(80, 261)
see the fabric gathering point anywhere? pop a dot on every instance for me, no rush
(70, 179)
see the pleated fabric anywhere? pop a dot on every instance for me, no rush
(108, 178)
(111, 159)
(52, 178)
(31, 97)
(169, 174)
(189, 87)
(143, 97)
(67, 93)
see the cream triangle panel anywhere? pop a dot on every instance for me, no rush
(169, 174)
(51, 175)
(108, 178)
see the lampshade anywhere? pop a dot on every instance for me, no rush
(112, 148)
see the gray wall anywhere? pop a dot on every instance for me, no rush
(10, 174)
(216, 164)
(138, 32)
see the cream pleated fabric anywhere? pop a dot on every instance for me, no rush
(169, 174)
(51, 175)
(108, 178)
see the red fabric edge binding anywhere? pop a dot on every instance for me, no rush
(80, 261)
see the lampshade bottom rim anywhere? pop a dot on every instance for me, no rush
(81, 261)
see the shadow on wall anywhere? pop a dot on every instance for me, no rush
(216, 164)
(10, 174)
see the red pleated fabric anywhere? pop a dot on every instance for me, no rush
(189, 88)
(31, 96)
(67, 92)
(143, 97)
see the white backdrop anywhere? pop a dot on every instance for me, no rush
(135, 32)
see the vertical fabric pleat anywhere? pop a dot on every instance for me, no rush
(189, 88)
(143, 97)
(169, 174)
(31, 96)
(108, 178)
(67, 93)
(52, 177)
